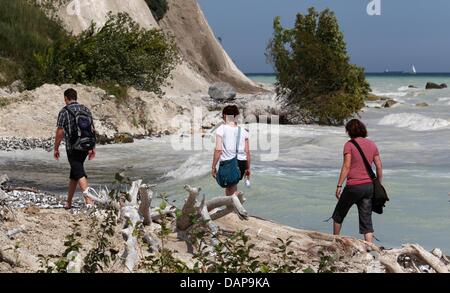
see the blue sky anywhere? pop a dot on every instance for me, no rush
(407, 32)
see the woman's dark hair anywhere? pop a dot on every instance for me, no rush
(356, 128)
(71, 94)
(230, 110)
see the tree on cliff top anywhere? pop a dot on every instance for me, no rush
(315, 80)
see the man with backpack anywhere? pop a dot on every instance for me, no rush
(75, 124)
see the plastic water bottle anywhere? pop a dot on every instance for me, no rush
(247, 183)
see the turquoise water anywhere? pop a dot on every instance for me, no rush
(298, 188)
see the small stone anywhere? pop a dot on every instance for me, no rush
(16, 86)
(32, 210)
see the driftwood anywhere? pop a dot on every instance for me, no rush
(231, 203)
(189, 209)
(207, 212)
(132, 218)
(24, 189)
(145, 195)
(134, 211)
(390, 259)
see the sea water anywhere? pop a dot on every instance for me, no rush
(298, 188)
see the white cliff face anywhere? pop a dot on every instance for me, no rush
(77, 15)
(199, 46)
(204, 60)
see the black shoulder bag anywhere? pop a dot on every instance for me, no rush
(380, 196)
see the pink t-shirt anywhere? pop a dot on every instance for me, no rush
(358, 174)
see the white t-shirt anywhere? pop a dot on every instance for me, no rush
(229, 135)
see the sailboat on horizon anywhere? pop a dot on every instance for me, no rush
(413, 69)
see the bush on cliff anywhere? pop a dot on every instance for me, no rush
(158, 7)
(24, 30)
(315, 81)
(119, 52)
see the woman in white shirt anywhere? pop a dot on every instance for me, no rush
(226, 136)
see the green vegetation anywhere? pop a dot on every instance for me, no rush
(35, 48)
(8, 71)
(120, 53)
(158, 7)
(24, 30)
(4, 102)
(59, 263)
(315, 80)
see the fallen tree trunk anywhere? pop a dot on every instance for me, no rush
(233, 202)
(189, 209)
(210, 210)
(145, 195)
(390, 259)
(207, 212)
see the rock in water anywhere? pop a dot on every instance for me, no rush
(372, 97)
(389, 104)
(222, 91)
(123, 138)
(412, 86)
(102, 139)
(444, 86)
(422, 104)
(435, 86)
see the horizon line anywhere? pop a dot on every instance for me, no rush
(372, 72)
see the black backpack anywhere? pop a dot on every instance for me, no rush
(82, 136)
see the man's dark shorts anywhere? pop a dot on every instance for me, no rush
(76, 161)
(361, 195)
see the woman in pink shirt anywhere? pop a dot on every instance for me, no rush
(359, 185)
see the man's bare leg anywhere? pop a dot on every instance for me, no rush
(70, 193)
(83, 182)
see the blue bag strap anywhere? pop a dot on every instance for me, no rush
(238, 138)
